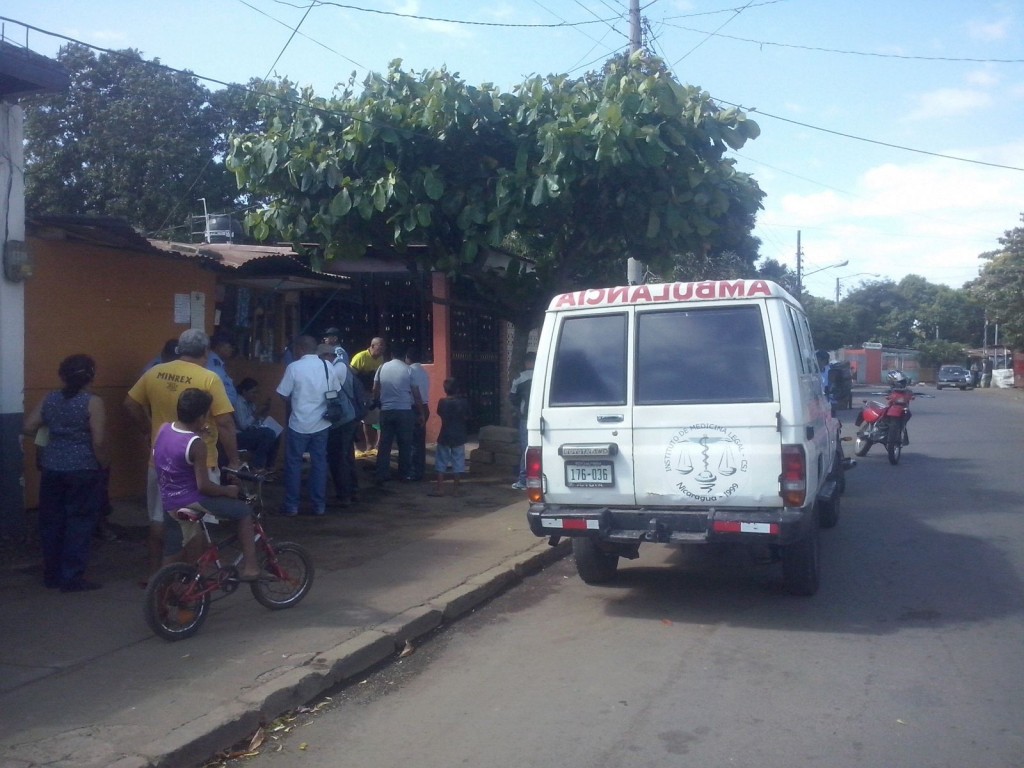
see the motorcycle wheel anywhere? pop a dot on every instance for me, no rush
(894, 444)
(862, 446)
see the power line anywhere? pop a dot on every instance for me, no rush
(291, 37)
(209, 162)
(736, 13)
(419, 17)
(581, 31)
(311, 39)
(605, 21)
(838, 50)
(871, 141)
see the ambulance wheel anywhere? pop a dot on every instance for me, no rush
(801, 564)
(594, 565)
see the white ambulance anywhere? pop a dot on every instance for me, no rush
(682, 413)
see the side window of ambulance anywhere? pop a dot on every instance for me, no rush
(590, 362)
(805, 350)
(713, 355)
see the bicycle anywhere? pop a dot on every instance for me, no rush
(178, 597)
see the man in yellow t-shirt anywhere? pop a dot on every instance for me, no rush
(365, 365)
(153, 401)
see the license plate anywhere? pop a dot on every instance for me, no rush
(589, 474)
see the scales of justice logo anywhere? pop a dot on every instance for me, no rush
(706, 461)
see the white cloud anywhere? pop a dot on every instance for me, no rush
(982, 78)
(948, 102)
(989, 31)
(931, 217)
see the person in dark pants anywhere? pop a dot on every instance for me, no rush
(261, 441)
(421, 381)
(986, 373)
(341, 449)
(400, 409)
(72, 464)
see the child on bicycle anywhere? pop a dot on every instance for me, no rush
(179, 455)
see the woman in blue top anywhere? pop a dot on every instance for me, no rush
(72, 464)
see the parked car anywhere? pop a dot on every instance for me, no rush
(954, 376)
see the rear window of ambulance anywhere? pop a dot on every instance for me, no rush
(708, 355)
(590, 362)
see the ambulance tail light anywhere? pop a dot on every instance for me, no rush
(793, 481)
(534, 476)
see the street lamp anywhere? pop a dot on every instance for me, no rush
(847, 277)
(800, 274)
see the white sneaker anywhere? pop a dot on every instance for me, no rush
(519, 486)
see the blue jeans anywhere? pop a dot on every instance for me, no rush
(68, 510)
(395, 425)
(315, 444)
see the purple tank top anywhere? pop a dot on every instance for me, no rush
(174, 472)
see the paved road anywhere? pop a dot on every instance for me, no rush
(910, 655)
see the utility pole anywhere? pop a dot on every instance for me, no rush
(636, 39)
(799, 267)
(635, 268)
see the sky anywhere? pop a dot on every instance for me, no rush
(892, 133)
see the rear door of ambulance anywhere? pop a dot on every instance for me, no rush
(582, 418)
(705, 415)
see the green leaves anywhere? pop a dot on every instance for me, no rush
(341, 204)
(576, 172)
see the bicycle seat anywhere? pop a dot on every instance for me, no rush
(193, 513)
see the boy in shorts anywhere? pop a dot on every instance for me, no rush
(179, 456)
(450, 455)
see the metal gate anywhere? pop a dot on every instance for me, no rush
(475, 363)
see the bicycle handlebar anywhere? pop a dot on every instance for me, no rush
(244, 473)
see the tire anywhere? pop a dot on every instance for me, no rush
(801, 565)
(285, 581)
(894, 443)
(938, 387)
(840, 472)
(828, 512)
(862, 446)
(170, 610)
(594, 565)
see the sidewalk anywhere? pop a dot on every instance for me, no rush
(84, 683)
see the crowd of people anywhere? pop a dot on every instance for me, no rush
(196, 420)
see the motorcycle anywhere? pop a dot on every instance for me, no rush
(886, 423)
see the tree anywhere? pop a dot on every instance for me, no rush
(569, 176)
(774, 270)
(129, 138)
(999, 289)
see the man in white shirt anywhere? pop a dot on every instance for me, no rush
(303, 389)
(400, 408)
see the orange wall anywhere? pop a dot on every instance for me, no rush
(117, 306)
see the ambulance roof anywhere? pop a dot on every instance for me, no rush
(710, 290)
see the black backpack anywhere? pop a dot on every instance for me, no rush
(357, 394)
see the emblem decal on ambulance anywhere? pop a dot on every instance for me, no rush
(706, 462)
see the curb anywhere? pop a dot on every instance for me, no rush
(195, 741)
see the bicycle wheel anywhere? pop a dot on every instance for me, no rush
(175, 608)
(286, 574)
